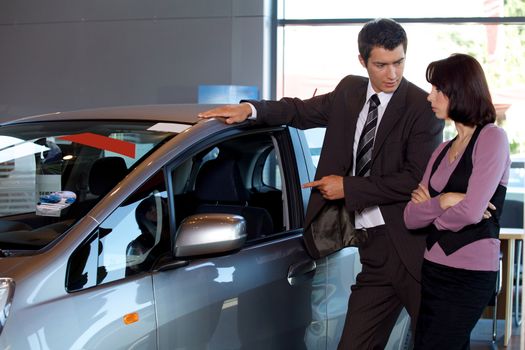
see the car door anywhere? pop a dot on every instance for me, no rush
(259, 297)
(110, 303)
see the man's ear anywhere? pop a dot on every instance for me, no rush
(362, 61)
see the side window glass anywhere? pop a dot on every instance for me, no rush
(269, 192)
(271, 175)
(212, 154)
(240, 176)
(136, 234)
(129, 241)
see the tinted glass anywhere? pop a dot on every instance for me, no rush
(52, 174)
(131, 240)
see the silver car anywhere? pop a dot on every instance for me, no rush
(143, 228)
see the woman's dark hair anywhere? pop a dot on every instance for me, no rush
(461, 78)
(381, 32)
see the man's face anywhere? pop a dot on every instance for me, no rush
(385, 68)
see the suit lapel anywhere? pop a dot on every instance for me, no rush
(390, 117)
(355, 101)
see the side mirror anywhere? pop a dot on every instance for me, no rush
(205, 234)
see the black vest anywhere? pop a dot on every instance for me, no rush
(458, 182)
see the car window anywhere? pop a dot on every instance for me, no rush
(131, 240)
(240, 176)
(53, 173)
(271, 173)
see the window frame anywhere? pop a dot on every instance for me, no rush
(284, 147)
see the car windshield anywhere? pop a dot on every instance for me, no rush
(53, 173)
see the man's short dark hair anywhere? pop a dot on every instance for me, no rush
(381, 32)
(461, 78)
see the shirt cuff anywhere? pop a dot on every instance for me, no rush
(254, 111)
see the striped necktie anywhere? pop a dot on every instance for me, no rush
(366, 140)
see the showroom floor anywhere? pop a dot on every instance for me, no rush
(481, 338)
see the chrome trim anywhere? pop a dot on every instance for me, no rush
(209, 234)
(9, 284)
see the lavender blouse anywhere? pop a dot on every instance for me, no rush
(490, 167)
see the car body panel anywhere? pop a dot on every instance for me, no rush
(90, 319)
(236, 301)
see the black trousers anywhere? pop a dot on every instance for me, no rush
(451, 304)
(383, 287)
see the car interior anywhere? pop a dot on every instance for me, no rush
(100, 182)
(219, 189)
(239, 176)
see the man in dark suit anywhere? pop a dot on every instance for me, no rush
(405, 135)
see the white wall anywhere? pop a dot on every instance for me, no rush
(70, 54)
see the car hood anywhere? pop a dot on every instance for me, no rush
(9, 265)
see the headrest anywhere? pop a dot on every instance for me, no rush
(105, 173)
(220, 180)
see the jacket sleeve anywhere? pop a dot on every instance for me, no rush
(301, 114)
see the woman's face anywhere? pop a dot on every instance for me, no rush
(439, 102)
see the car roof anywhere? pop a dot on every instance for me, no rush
(181, 113)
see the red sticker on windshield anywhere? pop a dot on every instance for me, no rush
(103, 142)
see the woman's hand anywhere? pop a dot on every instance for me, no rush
(420, 194)
(450, 199)
(487, 213)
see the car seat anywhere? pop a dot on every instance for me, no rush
(219, 189)
(104, 174)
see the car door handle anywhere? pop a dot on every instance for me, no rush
(301, 271)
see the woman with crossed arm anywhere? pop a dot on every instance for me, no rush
(464, 177)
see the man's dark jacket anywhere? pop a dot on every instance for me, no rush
(406, 136)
